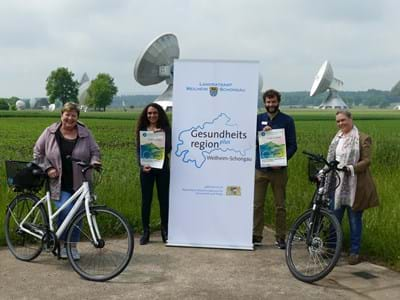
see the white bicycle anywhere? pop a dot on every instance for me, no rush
(105, 243)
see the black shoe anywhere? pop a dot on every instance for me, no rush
(145, 237)
(257, 240)
(280, 243)
(164, 235)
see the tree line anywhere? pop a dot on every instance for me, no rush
(370, 98)
(62, 87)
(101, 92)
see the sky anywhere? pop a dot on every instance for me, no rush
(290, 38)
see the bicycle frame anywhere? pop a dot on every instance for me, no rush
(317, 203)
(315, 239)
(83, 196)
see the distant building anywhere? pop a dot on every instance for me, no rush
(166, 105)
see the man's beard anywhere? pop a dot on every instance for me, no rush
(272, 110)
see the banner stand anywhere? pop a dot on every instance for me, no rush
(213, 154)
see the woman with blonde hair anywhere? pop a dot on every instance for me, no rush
(356, 191)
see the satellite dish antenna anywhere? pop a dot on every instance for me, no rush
(20, 105)
(124, 106)
(260, 87)
(52, 107)
(260, 83)
(84, 84)
(155, 64)
(324, 80)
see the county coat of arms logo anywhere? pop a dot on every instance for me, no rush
(213, 91)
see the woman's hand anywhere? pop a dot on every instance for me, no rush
(146, 169)
(52, 173)
(348, 170)
(96, 163)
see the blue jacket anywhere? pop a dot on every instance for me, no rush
(281, 120)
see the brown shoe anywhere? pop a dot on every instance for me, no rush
(354, 259)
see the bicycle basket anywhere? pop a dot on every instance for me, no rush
(20, 175)
(313, 168)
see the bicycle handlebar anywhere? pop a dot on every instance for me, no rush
(332, 165)
(85, 165)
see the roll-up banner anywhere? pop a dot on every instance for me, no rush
(213, 153)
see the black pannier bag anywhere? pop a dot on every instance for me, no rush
(24, 175)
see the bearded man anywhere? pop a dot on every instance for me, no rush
(273, 118)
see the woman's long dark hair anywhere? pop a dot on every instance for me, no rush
(143, 121)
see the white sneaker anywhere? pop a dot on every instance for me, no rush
(75, 254)
(63, 253)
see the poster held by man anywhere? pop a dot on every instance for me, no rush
(272, 146)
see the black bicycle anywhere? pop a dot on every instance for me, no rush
(315, 240)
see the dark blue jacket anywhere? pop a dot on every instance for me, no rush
(281, 120)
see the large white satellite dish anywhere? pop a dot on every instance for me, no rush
(52, 107)
(84, 84)
(20, 105)
(155, 63)
(32, 103)
(324, 80)
(260, 83)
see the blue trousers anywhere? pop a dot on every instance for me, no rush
(355, 221)
(64, 196)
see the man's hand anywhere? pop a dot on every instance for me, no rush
(276, 168)
(267, 128)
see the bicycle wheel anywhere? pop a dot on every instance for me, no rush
(115, 248)
(313, 261)
(23, 245)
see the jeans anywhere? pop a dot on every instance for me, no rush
(355, 221)
(64, 196)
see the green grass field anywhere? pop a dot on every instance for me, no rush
(120, 187)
